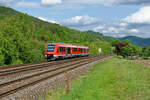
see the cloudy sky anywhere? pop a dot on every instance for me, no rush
(116, 18)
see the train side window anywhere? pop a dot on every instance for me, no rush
(80, 50)
(63, 49)
(75, 49)
(57, 50)
(60, 49)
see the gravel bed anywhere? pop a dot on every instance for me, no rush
(20, 75)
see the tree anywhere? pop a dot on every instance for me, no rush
(1, 57)
(130, 50)
(114, 43)
(127, 41)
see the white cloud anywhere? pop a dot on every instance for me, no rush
(98, 28)
(51, 2)
(142, 16)
(133, 30)
(27, 4)
(47, 20)
(78, 21)
(110, 2)
(113, 30)
(123, 24)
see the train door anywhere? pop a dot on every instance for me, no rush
(68, 51)
(58, 51)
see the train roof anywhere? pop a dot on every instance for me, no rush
(67, 45)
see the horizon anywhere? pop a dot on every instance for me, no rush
(118, 18)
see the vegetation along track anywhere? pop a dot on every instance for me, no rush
(24, 82)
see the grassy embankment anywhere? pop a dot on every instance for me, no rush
(113, 79)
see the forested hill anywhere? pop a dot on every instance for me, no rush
(101, 36)
(137, 40)
(23, 37)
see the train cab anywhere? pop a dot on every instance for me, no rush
(50, 50)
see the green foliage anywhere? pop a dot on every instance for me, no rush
(146, 52)
(1, 57)
(114, 43)
(23, 38)
(127, 41)
(130, 50)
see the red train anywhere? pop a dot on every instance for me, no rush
(54, 51)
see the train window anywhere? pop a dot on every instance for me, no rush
(60, 49)
(50, 48)
(63, 49)
(80, 50)
(74, 49)
(57, 50)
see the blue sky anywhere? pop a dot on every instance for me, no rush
(116, 18)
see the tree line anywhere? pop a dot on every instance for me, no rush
(131, 50)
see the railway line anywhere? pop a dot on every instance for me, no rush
(23, 67)
(26, 71)
(38, 73)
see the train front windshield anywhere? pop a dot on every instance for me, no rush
(50, 48)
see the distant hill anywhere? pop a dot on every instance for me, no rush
(101, 36)
(137, 40)
(23, 38)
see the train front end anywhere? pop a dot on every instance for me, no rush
(50, 51)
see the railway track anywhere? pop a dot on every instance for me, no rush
(9, 70)
(25, 71)
(15, 85)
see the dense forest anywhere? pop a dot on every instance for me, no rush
(23, 37)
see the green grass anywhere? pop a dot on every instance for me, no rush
(113, 79)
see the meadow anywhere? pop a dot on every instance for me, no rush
(113, 79)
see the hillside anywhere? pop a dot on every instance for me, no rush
(23, 37)
(137, 40)
(101, 36)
